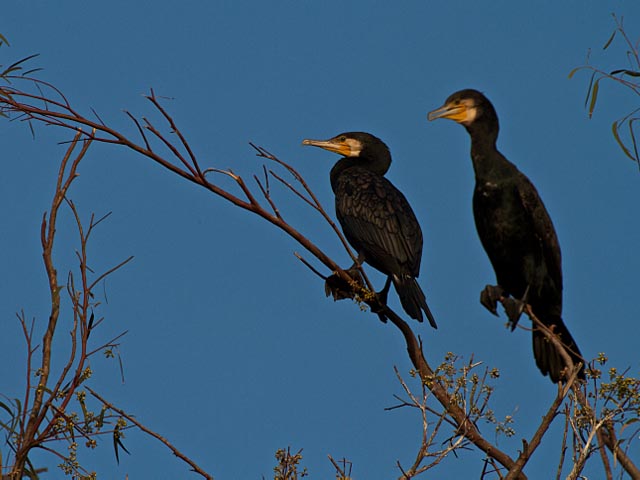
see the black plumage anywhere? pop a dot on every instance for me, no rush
(375, 216)
(516, 232)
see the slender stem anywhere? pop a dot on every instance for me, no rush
(155, 435)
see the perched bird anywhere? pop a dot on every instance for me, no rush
(375, 216)
(516, 232)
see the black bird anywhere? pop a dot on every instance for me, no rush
(376, 217)
(516, 232)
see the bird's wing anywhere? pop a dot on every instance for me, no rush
(378, 220)
(542, 228)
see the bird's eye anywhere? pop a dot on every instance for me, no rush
(342, 138)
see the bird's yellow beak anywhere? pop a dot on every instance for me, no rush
(333, 145)
(453, 111)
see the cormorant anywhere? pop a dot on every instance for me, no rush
(516, 232)
(375, 216)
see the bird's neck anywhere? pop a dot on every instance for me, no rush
(488, 162)
(378, 166)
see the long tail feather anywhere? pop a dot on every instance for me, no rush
(412, 299)
(548, 359)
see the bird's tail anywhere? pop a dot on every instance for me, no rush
(548, 359)
(412, 298)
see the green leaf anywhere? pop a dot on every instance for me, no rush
(118, 443)
(100, 421)
(17, 65)
(91, 318)
(606, 45)
(631, 73)
(32, 71)
(4, 406)
(633, 140)
(573, 72)
(594, 96)
(616, 135)
(85, 413)
(586, 100)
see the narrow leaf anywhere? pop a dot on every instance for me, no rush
(115, 446)
(630, 73)
(85, 413)
(16, 65)
(586, 100)
(118, 443)
(32, 71)
(594, 96)
(633, 140)
(100, 420)
(606, 45)
(616, 135)
(91, 318)
(573, 72)
(5, 407)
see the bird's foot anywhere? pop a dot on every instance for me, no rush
(490, 296)
(513, 308)
(384, 293)
(339, 288)
(382, 296)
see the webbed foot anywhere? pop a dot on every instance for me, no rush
(339, 288)
(514, 308)
(490, 296)
(382, 300)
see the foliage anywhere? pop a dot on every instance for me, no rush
(625, 128)
(54, 408)
(287, 468)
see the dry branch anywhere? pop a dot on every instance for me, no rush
(155, 435)
(55, 110)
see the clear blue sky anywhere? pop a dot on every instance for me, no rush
(233, 351)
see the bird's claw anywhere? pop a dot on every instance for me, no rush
(339, 288)
(382, 296)
(513, 308)
(490, 296)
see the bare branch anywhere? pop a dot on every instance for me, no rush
(530, 447)
(37, 413)
(155, 435)
(59, 113)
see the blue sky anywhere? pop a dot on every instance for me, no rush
(233, 351)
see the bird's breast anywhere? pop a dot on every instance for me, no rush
(488, 189)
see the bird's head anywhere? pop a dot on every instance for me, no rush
(350, 144)
(363, 148)
(464, 107)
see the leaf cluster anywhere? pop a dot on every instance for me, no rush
(624, 129)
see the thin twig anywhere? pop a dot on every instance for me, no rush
(603, 455)
(563, 446)
(266, 192)
(311, 267)
(530, 447)
(155, 435)
(175, 128)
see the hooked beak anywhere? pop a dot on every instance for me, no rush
(456, 112)
(332, 145)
